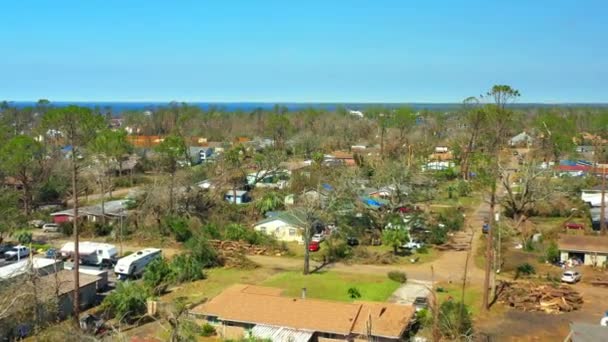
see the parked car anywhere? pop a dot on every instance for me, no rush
(421, 303)
(413, 244)
(352, 241)
(571, 277)
(50, 228)
(36, 223)
(17, 252)
(5, 248)
(314, 246)
(318, 237)
(576, 226)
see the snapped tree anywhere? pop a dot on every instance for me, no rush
(76, 127)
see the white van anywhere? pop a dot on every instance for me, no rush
(133, 265)
(91, 253)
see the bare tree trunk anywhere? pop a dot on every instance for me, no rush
(171, 192)
(489, 243)
(382, 131)
(26, 198)
(110, 184)
(464, 278)
(76, 300)
(103, 201)
(306, 251)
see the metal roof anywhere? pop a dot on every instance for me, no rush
(280, 334)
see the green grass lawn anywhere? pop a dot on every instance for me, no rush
(217, 279)
(473, 295)
(334, 285)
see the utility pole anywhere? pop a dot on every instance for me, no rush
(603, 205)
(121, 229)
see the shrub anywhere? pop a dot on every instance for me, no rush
(438, 236)
(447, 174)
(552, 253)
(423, 317)
(455, 320)
(524, 269)
(463, 188)
(24, 237)
(208, 330)
(127, 302)
(211, 231)
(179, 228)
(157, 276)
(528, 246)
(185, 267)
(337, 249)
(398, 276)
(236, 232)
(66, 228)
(353, 293)
(202, 252)
(452, 219)
(422, 250)
(100, 229)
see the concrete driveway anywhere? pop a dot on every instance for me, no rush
(407, 293)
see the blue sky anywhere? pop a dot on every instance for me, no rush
(301, 51)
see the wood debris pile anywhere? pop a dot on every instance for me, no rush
(238, 247)
(460, 241)
(545, 298)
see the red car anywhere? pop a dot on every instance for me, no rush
(572, 225)
(314, 246)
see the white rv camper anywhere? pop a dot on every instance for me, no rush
(134, 265)
(91, 253)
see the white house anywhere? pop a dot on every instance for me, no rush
(284, 226)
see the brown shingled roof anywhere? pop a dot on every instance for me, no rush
(387, 320)
(264, 305)
(583, 243)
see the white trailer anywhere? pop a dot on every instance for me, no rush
(133, 265)
(91, 253)
(593, 197)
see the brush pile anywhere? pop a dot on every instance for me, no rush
(238, 247)
(545, 298)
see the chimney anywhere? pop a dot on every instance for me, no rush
(303, 293)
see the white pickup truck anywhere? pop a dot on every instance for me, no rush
(17, 252)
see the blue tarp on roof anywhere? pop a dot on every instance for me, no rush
(327, 187)
(567, 162)
(66, 149)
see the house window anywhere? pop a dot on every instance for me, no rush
(263, 229)
(292, 231)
